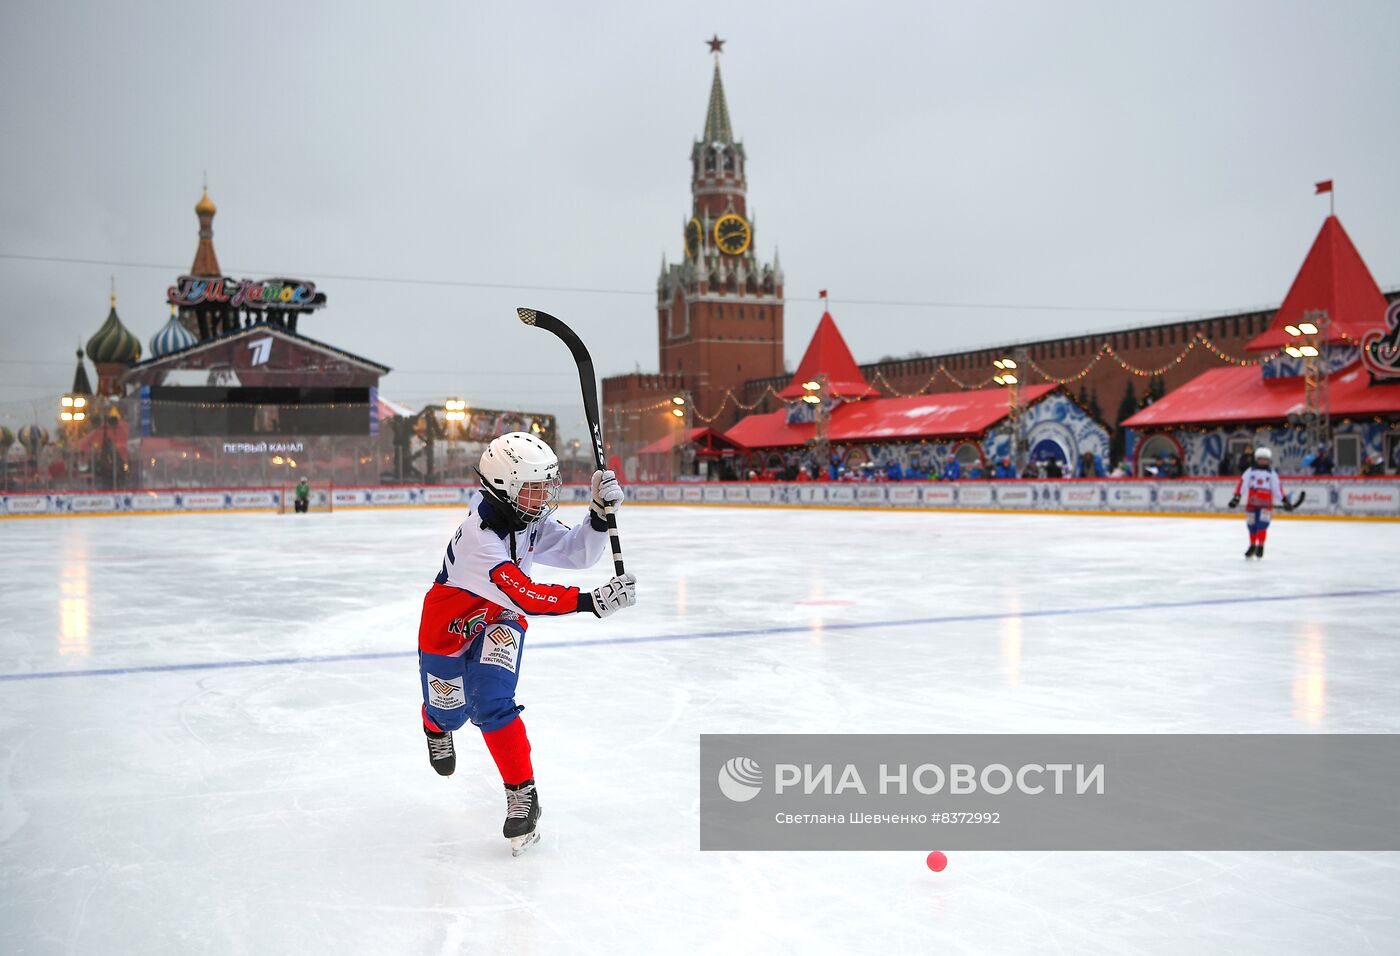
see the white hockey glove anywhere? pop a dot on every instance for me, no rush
(607, 494)
(618, 593)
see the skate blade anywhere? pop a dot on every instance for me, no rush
(520, 844)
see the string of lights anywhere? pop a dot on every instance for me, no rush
(728, 396)
(655, 406)
(939, 370)
(1105, 350)
(1199, 338)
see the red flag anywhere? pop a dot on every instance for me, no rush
(822, 294)
(1323, 187)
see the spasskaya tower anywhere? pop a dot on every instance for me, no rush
(719, 308)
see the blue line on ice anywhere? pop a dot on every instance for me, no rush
(711, 635)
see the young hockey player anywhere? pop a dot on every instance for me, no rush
(472, 634)
(1263, 490)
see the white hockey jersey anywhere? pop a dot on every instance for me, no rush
(496, 567)
(1261, 488)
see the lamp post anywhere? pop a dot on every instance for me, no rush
(72, 413)
(680, 412)
(1308, 341)
(73, 409)
(1007, 377)
(821, 446)
(454, 412)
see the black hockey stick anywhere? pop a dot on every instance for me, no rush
(1302, 496)
(589, 383)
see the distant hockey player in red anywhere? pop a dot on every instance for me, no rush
(1263, 491)
(472, 635)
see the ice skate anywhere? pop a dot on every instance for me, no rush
(1253, 550)
(1258, 550)
(522, 817)
(440, 751)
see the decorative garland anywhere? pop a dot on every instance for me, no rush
(1105, 349)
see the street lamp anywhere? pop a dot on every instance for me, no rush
(1307, 340)
(680, 412)
(1007, 377)
(72, 408)
(454, 412)
(820, 447)
(72, 412)
(1005, 374)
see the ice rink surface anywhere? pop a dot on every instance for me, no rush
(279, 799)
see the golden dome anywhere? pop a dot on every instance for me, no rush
(205, 206)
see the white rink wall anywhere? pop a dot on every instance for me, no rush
(1377, 498)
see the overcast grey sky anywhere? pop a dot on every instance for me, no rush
(1068, 157)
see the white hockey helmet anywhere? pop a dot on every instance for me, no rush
(521, 472)
(1263, 453)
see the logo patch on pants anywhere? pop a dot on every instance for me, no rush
(446, 694)
(501, 647)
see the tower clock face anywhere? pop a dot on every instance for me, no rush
(733, 234)
(693, 233)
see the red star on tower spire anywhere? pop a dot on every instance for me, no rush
(716, 44)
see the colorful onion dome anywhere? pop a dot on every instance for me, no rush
(172, 337)
(32, 437)
(7, 438)
(114, 342)
(205, 206)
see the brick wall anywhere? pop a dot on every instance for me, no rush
(1146, 348)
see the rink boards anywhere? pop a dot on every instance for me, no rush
(1376, 498)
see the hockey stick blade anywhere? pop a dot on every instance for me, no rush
(588, 382)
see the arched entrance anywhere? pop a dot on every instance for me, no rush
(1048, 449)
(1052, 441)
(967, 454)
(1154, 447)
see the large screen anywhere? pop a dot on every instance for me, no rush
(213, 411)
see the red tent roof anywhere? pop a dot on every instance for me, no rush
(827, 354)
(708, 439)
(1243, 395)
(1333, 277)
(771, 430)
(943, 415)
